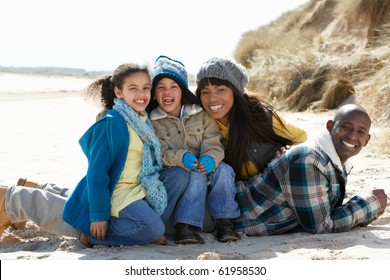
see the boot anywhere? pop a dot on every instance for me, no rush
(85, 240)
(161, 241)
(24, 183)
(29, 184)
(187, 234)
(196, 232)
(4, 221)
(225, 230)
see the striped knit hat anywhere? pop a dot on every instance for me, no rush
(165, 67)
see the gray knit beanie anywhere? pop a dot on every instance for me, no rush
(225, 69)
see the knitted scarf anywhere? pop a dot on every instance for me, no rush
(156, 195)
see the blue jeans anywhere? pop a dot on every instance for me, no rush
(137, 224)
(190, 208)
(175, 180)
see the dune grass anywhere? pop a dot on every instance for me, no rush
(322, 55)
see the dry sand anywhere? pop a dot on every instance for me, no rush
(39, 134)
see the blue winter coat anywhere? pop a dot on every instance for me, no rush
(105, 145)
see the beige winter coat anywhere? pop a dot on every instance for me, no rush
(196, 132)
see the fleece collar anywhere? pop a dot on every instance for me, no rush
(189, 110)
(325, 142)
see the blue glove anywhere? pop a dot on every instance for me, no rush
(189, 159)
(208, 163)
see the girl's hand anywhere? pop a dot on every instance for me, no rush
(190, 161)
(99, 229)
(206, 164)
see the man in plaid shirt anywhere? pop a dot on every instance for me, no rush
(305, 187)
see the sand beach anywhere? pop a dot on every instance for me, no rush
(39, 130)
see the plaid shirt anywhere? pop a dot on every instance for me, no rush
(303, 189)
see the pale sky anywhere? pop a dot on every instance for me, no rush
(101, 34)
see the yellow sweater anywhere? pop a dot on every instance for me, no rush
(128, 189)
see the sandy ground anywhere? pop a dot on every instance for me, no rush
(39, 134)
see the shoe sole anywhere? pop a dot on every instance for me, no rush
(187, 241)
(228, 238)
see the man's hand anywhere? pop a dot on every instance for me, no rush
(101, 113)
(382, 197)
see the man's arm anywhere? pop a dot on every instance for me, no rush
(313, 191)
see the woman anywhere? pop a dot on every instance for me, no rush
(253, 133)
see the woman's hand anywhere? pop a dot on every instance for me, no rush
(282, 151)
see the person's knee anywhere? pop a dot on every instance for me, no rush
(223, 178)
(225, 170)
(198, 184)
(175, 176)
(156, 230)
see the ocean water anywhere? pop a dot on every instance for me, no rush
(19, 83)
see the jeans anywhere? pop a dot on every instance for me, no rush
(220, 196)
(175, 180)
(137, 224)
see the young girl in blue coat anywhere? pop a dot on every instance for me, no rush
(121, 198)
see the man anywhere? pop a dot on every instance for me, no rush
(304, 188)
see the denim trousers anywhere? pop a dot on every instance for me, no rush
(175, 180)
(44, 207)
(186, 191)
(137, 224)
(219, 194)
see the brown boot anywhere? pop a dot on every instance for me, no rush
(24, 183)
(29, 184)
(4, 221)
(85, 240)
(161, 241)
(225, 230)
(187, 234)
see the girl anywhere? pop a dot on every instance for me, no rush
(120, 200)
(190, 140)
